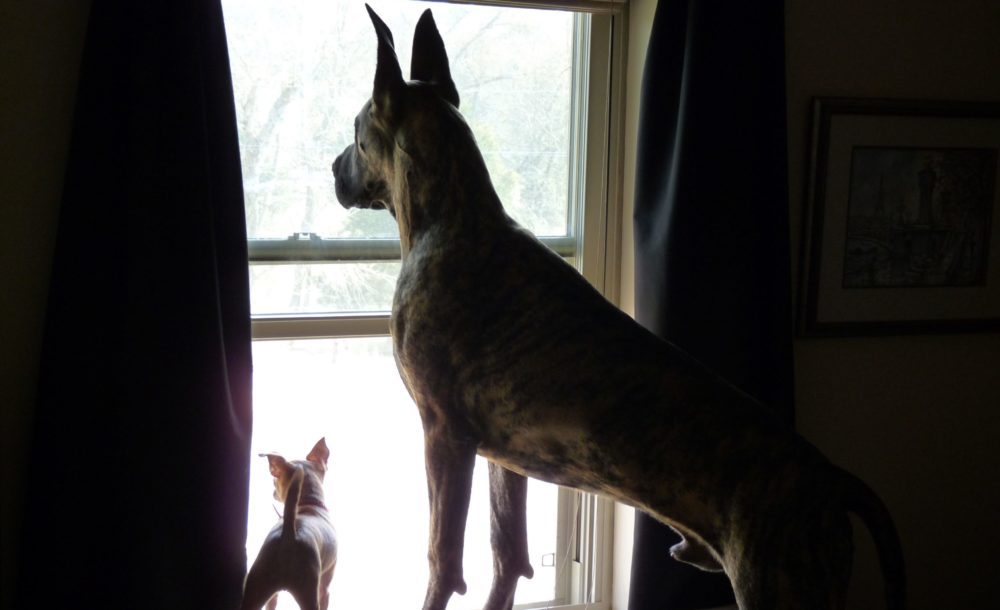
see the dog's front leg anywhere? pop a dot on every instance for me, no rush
(449, 465)
(508, 535)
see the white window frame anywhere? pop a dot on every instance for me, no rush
(586, 522)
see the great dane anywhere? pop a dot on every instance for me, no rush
(510, 354)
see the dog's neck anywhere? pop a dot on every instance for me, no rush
(434, 192)
(312, 503)
(311, 499)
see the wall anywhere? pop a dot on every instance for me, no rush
(640, 21)
(917, 417)
(40, 45)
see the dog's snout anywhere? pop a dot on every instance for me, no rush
(340, 164)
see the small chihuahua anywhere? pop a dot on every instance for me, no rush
(300, 552)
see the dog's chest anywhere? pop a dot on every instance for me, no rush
(460, 324)
(425, 345)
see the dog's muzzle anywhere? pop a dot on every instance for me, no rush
(340, 180)
(350, 185)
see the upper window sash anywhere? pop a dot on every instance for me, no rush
(309, 247)
(582, 6)
(592, 228)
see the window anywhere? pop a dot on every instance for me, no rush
(537, 90)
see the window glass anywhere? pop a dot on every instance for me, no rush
(302, 69)
(348, 391)
(322, 287)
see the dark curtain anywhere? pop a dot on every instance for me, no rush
(711, 228)
(139, 462)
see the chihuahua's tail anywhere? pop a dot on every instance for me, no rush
(292, 503)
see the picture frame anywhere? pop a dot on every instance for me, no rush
(900, 226)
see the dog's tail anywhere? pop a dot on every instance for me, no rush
(292, 503)
(861, 500)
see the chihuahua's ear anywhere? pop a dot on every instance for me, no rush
(277, 464)
(429, 62)
(389, 83)
(320, 453)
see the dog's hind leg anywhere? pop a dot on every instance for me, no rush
(449, 464)
(307, 600)
(508, 535)
(258, 590)
(324, 589)
(790, 564)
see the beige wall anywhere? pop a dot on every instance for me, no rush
(40, 44)
(640, 21)
(917, 417)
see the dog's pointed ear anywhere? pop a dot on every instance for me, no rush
(277, 464)
(389, 82)
(320, 452)
(429, 62)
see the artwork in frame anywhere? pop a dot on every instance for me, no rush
(899, 223)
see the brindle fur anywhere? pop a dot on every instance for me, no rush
(509, 353)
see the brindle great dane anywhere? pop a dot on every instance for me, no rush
(510, 354)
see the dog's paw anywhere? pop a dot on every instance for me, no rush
(440, 590)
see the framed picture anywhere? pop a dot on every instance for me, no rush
(901, 211)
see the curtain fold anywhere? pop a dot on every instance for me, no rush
(139, 460)
(711, 228)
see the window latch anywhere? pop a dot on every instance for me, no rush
(304, 236)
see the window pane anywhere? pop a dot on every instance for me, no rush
(348, 390)
(301, 71)
(303, 68)
(322, 287)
